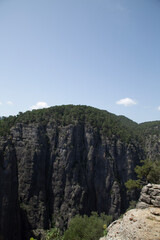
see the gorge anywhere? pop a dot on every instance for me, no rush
(67, 160)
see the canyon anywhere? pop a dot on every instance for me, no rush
(67, 160)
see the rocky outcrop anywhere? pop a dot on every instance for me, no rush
(136, 224)
(150, 196)
(140, 223)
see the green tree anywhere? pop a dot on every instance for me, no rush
(148, 172)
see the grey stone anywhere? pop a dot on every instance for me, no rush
(149, 185)
(142, 205)
(154, 193)
(149, 198)
(144, 189)
(145, 198)
(156, 203)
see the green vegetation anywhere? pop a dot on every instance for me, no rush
(5, 124)
(150, 128)
(148, 172)
(133, 184)
(106, 123)
(105, 230)
(87, 228)
(54, 233)
(132, 205)
(82, 228)
(102, 121)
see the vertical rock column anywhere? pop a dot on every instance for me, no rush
(9, 210)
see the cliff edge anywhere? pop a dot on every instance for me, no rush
(142, 223)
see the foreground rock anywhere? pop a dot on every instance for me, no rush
(141, 223)
(138, 224)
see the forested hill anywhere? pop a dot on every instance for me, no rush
(67, 160)
(103, 121)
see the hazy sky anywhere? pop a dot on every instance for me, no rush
(102, 53)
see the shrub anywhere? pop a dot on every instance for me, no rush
(87, 228)
(133, 184)
(132, 205)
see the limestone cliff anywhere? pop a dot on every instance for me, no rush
(56, 163)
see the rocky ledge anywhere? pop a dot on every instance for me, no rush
(142, 223)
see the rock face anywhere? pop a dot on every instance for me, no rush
(51, 171)
(150, 196)
(55, 172)
(141, 223)
(9, 208)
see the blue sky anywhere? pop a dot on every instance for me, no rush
(102, 53)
